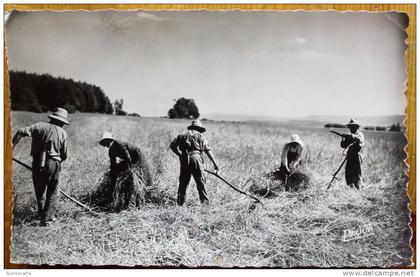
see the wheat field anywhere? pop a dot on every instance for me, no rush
(302, 229)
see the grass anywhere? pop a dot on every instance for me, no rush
(292, 230)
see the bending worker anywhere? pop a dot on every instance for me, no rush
(291, 157)
(48, 150)
(189, 147)
(131, 156)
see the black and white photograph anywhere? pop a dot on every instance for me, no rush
(209, 139)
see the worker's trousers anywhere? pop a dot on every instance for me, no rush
(46, 188)
(354, 170)
(192, 165)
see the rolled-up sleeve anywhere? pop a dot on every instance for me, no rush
(205, 145)
(63, 150)
(360, 139)
(286, 148)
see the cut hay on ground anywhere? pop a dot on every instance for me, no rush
(291, 230)
(265, 187)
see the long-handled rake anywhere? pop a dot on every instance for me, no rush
(233, 187)
(62, 192)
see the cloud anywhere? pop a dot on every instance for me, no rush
(123, 24)
(300, 40)
(149, 16)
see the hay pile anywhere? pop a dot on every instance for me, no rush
(275, 182)
(133, 189)
(129, 190)
(297, 181)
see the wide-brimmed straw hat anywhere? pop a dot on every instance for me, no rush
(353, 122)
(61, 115)
(105, 136)
(197, 125)
(295, 138)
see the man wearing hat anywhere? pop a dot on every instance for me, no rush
(131, 158)
(189, 147)
(48, 150)
(353, 142)
(291, 156)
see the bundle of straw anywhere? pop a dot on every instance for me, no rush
(128, 190)
(297, 181)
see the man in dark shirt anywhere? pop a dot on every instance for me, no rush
(189, 147)
(48, 150)
(129, 154)
(353, 142)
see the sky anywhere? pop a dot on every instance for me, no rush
(269, 63)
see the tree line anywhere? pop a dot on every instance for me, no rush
(42, 93)
(393, 128)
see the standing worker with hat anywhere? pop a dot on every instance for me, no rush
(291, 157)
(189, 147)
(353, 142)
(132, 160)
(48, 150)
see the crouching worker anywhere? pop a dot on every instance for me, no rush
(353, 142)
(189, 147)
(127, 175)
(48, 150)
(291, 157)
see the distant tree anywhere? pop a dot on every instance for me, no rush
(184, 108)
(380, 128)
(369, 128)
(118, 107)
(335, 125)
(134, 114)
(395, 128)
(70, 108)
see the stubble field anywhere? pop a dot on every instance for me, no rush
(291, 230)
